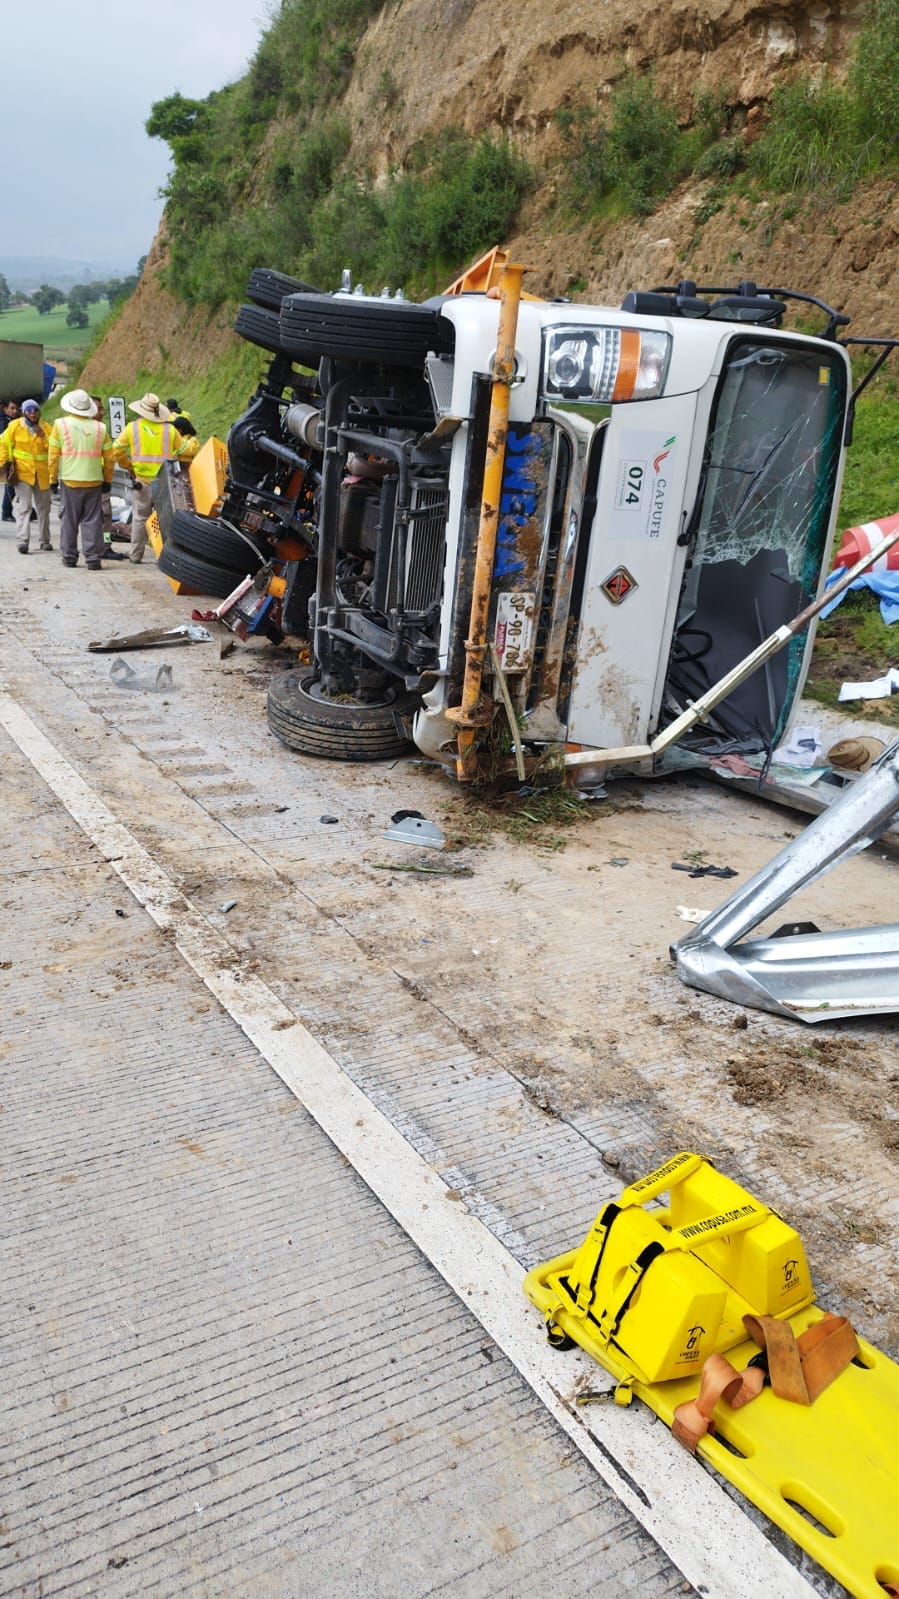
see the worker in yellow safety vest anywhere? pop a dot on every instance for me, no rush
(141, 448)
(24, 447)
(81, 460)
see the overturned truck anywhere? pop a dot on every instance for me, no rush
(511, 526)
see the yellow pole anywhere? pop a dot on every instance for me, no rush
(469, 716)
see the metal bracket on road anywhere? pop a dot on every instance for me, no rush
(154, 637)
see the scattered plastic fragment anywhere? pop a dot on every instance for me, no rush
(618, 860)
(228, 905)
(329, 820)
(124, 676)
(691, 913)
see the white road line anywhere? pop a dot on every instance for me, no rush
(707, 1536)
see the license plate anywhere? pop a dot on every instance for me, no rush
(514, 630)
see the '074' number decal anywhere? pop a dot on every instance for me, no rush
(631, 478)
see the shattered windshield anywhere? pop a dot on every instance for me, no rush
(772, 455)
(761, 527)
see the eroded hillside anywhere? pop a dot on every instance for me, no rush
(510, 66)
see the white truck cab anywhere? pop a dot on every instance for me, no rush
(669, 485)
(669, 499)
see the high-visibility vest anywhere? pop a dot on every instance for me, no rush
(143, 446)
(28, 451)
(80, 450)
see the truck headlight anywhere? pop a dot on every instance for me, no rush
(604, 365)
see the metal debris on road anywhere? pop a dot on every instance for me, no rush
(154, 638)
(410, 827)
(702, 871)
(228, 906)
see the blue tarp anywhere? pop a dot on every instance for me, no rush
(884, 584)
(49, 380)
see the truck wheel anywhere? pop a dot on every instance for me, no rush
(206, 536)
(260, 327)
(336, 730)
(202, 576)
(382, 331)
(268, 288)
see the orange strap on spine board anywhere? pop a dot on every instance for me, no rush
(799, 1370)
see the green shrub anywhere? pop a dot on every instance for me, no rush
(461, 200)
(722, 159)
(637, 151)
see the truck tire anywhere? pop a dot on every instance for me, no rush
(381, 331)
(335, 730)
(263, 328)
(206, 536)
(259, 327)
(202, 576)
(268, 288)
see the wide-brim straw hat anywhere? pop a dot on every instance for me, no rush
(151, 408)
(855, 754)
(79, 403)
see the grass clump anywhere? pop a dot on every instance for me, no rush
(635, 151)
(826, 137)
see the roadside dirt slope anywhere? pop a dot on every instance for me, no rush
(510, 67)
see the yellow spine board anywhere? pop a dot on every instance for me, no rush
(823, 1473)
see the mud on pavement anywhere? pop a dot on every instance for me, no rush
(523, 1025)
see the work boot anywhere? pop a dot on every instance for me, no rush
(94, 566)
(45, 546)
(109, 554)
(23, 549)
(69, 560)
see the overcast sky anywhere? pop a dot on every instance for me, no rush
(80, 177)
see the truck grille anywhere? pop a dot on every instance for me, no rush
(424, 545)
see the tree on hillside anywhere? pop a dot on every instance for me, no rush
(173, 118)
(46, 298)
(5, 294)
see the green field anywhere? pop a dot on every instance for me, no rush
(60, 342)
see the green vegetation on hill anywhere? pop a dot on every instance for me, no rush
(262, 174)
(820, 136)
